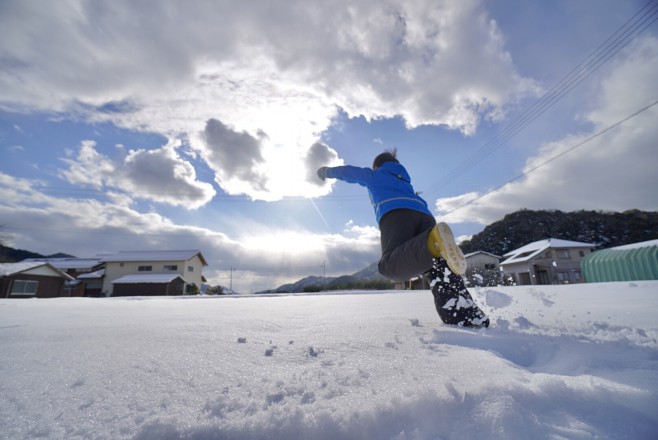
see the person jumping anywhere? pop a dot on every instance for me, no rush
(411, 240)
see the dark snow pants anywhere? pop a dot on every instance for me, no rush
(404, 244)
(405, 255)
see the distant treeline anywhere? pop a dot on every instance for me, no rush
(354, 285)
(604, 229)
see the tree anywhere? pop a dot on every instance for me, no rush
(191, 289)
(215, 290)
(2, 237)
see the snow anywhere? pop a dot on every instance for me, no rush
(558, 362)
(529, 251)
(91, 275)
(643, 244)
(8, 269)
(68, 263)
(31, 268)
(173, 255)
(147, 278)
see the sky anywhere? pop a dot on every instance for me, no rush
(199, 125)
(572, 361)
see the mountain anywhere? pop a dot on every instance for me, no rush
(605, 229)
(11, 255)
(368, 278)
(301, 285)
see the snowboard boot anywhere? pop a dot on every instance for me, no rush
(453, 303)
(441, 243)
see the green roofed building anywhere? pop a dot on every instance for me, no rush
(631, 262)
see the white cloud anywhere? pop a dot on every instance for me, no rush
(258, 68)
(235, 155)
(252, 165)
(319, 155)
(90, 167)
(160, 175)
(615, 171)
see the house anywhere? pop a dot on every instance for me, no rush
(33, 279)
(550, 261)
(126, 269)
(632, 262)
(93, 282)
(483, 269)
(132, 273)
(78, 268)
(416, 283)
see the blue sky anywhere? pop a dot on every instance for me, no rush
(199, 125)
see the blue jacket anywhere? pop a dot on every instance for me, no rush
(389, 187)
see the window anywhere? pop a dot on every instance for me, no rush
(144, 268)
(581, 253)
(170, 267)
(563, 277)
(490, 267)
(564, 254)
(190, 268)
(24, 287)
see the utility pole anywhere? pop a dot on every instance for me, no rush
(231, 279)
(324, 273)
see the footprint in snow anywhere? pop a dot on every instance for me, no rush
(497, 300)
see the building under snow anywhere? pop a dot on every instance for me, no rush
(550, 261)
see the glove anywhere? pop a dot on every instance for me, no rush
(322, 173)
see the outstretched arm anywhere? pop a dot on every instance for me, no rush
(347, 173)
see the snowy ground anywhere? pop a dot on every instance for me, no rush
(559, 362)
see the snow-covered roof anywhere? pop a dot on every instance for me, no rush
(549, 243)
(639, 245)
(8, 269)
(98, 274)
(153, 278)
(69, 263)
(480, 252)
(531, 250)
(175, 255)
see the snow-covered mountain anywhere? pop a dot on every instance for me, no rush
(370, 275)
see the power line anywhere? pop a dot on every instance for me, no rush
(551, 159)
(633, 27)
(583, 70)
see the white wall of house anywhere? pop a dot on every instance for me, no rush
(553, 266)
(191, 270)
(482, 260)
